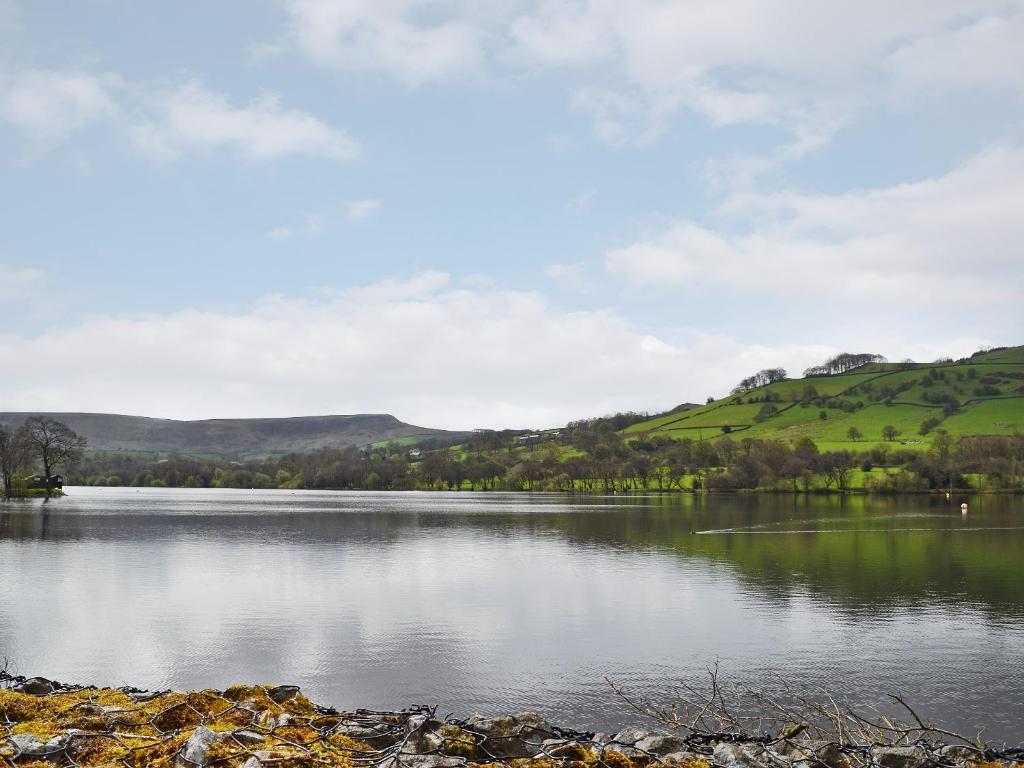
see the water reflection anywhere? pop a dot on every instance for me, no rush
(500, 601)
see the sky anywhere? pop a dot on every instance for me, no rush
(501, 214)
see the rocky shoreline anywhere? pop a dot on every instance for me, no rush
(46, 723)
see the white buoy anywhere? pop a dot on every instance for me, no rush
(963, 508)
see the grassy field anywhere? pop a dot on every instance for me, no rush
(983, 395)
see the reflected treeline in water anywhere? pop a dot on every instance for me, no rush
(33, 521)
(860, 551)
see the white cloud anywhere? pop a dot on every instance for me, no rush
(987, 53)
(379, 349)
(412, 40)
(360, 210)
(192, 116)
(280, 233)
(622, 118)
(799, 67)
(553, 34)
(685, 252)
(14, 281)
(47, 106)
(951, 239)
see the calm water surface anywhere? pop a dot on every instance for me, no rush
(496, 602)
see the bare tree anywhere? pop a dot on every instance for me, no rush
(54, 443)
(15, 454)
(731, 713)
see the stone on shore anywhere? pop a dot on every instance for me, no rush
(28, 745)
(246, 727)
(812, 754)
(37, 686)
(512, 736)
(901, 757)
(630, 735)
(741, 755)
(281, 693)
(199, 744)
(660, 744)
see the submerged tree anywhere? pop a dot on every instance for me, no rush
(15, 455)
(54, 443)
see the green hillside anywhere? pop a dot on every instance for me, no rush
(980, 395)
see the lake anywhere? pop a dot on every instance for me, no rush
(496, 602)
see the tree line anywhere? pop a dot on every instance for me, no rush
(594, 457)
(40, 443)
(760, 379)
(843, 363)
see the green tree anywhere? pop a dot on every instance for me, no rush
(854, 434)
(889, 432)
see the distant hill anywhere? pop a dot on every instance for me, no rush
(237, 438)
(980, 395)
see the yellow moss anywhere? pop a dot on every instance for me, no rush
(41, 728)
(535, 762)
(21, 706)
(617, 760)
(97, 750)
(243, 692)
(574, 752)
(461, 746)
(344, 742)
(108, 697)
(176, 714)
(694, 762)
(300, 705)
